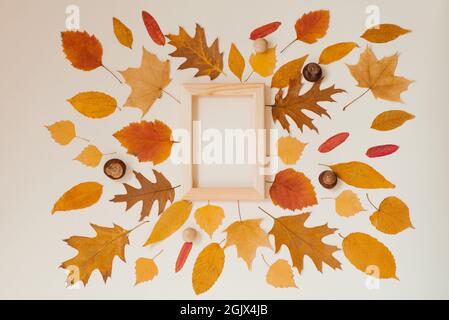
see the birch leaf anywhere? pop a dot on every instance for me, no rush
(146, 270)
(90, 156)
(209, 218)
(63, 132)
(236, 62)
(263, 63)
(348, 204)
(392, 216)
(290, 149)
(280, 275)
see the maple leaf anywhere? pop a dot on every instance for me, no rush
(247, 236)
(95, 253)
(293, 104)
(149, 192)
(378, 76)
(303, 241)
(147, 82)
(208, 60)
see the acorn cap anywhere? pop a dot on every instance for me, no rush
(328, 179)
(114, 169)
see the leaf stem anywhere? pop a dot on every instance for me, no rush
(113, 74)
(369, 200)
(238, 207)
(108, 154)
(264, 260)
(267, 213)
(139, 225)
(172, 96)
(354, 100)
(249, 76)
(288, 45)
(157, 254)
(81, 138)
(266, 181)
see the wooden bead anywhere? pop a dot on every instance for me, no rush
(189, 235)
(114, 169)
(328, 179)
(312, 72)
(260, 45)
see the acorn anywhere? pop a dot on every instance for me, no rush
(260, 45)
(312, 72)
(328, 179)
(114, 169)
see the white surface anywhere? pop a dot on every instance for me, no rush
(36, 80)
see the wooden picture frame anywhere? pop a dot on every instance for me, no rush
(191, 91)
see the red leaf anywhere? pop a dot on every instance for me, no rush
(380, 151)
(333, 142)
(183, 254)
(153, 28)
(264, 30)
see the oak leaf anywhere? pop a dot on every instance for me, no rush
(236, 62)
(293, 104)
(292, 190)
(263, 63)
(369, 255)
(348, 204)
(280, 275)
(149, 192)
(170, 221)
(290, 149)
(392, 216)
(301, 241)
(122, 33)
(93, 104)
(95, 253)
(146, 270)
(81, 196)
(336, 52)
(63, 132)
(82, 50)
(147, 82)
(209, 218)
(390, 120)
(384, 32)
(288, 71)
(208, 60)
(148, 141)
(90, 156)
(208, 267)
(247, 236)
(378, 76)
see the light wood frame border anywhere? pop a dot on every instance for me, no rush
(189, 91)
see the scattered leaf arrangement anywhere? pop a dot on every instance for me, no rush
(151, 141)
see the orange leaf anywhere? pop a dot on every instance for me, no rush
(153, 28)
(122, 33)
(292, 190)
(82, 50)
(336, 52)
(81, 196)
(384, 32)
(148, 141)
(312, 26)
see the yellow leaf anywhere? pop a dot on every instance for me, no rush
(285, 73)
(290, 149)
(247, 236)
(123, 33)
(360, 175)
(280, 275)
(208, 267)
(209, 218)
(170, 221)
(90, 156)
(336, 52)
(263, 63)
(383, 33)
(236, 62)
(348, 204)
(392, 216)
(369, 255)
(390, 120)
(80, 196)
(93, 104)
(63, 132)
(146, 270)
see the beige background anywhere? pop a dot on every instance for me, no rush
(36, 80)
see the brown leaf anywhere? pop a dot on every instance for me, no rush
(149, 192)
(208, 60)
(82, 50)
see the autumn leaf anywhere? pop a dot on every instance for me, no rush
(290, 149)
(384, 32)
(122, 33)
(336, 52)
(63, 132)
(304, 241)
(392, 216)
(208, 60)
(280, 275)
(381, 151)
(292, 190)
(146, 270)
(333, 142)
(95, 253)
(348, 204)
(82, 50)
(153, 29)
(264, 30)
(208, 267)
(148, 141)
(369, 255)
(93, 104)
(147, 82)
(360, 175)
(170, 221)
(290, 71)
(81, 196)
(183, 255)
(90, 156)
(293, 104)
(247, 236)
(263, 63)
(209, 218)
(236, 62)
(149, 192)
(378, 76)
(390, 120)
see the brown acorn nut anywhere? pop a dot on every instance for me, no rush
(328, 179)
(312, 72)
(114, 169)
